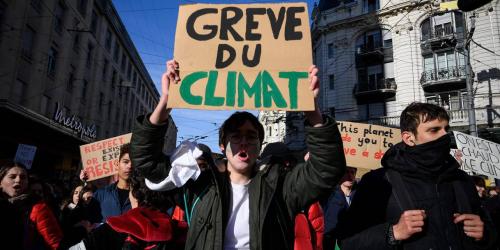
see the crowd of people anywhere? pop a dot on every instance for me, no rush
(259, 199)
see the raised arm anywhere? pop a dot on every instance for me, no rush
(326, 164)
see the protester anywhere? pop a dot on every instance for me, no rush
(244, 206)
(145, 226)
(336, 206)
(113, 199)
(309, 223)
(420, 199)
(480, 186)
(40, 227)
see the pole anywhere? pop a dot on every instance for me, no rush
(469, 80)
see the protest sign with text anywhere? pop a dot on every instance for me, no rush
(243, 56)
(365, 144)
(100, 159)
(478, 155)
(25, 155)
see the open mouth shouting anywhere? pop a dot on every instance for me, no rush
(243, 156)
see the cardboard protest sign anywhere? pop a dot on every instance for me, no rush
(25, 155)
(457, 154)
(365, 144)
(243, 56)
(478, 155)
(100, 159)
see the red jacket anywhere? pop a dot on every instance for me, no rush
(46, 224)
(309, 230)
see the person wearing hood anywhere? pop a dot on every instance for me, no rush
(419, 199)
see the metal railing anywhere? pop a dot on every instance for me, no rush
(380, 84)
(458, 117)
(450, 73)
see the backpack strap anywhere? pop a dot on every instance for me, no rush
(399, 190)
(461, 198)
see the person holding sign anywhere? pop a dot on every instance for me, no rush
(248, 205)
(113, 199)
(420, 199)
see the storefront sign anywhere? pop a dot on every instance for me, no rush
(100, 159)
(25, 155)
(478, 155)
(366, 144)
(243, 56)
(74, 123)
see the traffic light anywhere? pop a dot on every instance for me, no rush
(469, 5)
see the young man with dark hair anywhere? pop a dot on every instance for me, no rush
(248, 205)
(419, 199)
(113, 199)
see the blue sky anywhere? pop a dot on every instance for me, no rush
(151, 25)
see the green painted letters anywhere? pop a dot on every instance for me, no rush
(270, 92)
(255, 90)
(185, 88)
(210, 98)
(293, 80)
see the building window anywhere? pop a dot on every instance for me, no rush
(370, 5)
(101, 101)
(129, 71)
(442, 26)
(108, 39)
(37, 5)
(113, 79)
(116, 53)
(71, 80)
(51, 62)
(110, 106)
(124, 62)
(45, 105)
(18, 91)
(455, 100)
(331, 82)
(82, 7)
(76, 42)
(330, 50)
(59, 17)
(94, 22)
(28, 41)
(105, 69)
(89, 55)
(84, 91)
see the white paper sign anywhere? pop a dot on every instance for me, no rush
(25, 155)
(479, 156)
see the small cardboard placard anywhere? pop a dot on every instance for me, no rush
(478, 155)
(100, 159)
(366, 144)
(243, 56)
(25, 155)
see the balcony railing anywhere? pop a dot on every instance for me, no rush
(458, 118)
(447, 79)
(380, 84)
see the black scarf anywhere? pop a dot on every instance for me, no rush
(429, 160)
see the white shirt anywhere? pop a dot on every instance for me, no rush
(237, 236)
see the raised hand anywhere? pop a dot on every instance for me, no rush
(314, 117)
(161, 112)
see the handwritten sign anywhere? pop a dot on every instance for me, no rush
(366, 144)
(25, 155)
(100, 159)
(478, 155)
(243, 56)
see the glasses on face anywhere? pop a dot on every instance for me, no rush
(250, 139)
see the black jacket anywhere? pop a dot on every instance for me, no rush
(375, 208)
(275, 196)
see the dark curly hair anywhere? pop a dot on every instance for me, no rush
(160, 200)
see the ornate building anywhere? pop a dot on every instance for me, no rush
(377, 56)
